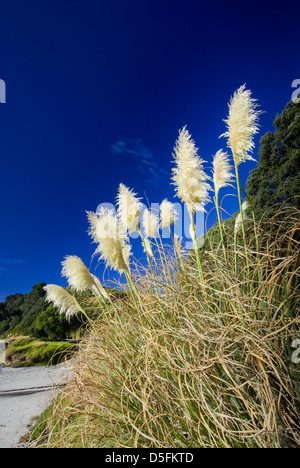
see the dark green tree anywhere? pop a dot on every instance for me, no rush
(50, 324)
(30, 314)
(277, 176)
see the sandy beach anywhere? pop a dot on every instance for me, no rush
(24, 394)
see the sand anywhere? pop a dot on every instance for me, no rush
(23, 397)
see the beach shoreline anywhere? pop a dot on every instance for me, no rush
(23, 398)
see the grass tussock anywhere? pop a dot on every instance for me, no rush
(202, 363)
(199, 353)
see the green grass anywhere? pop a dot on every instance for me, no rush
(25, 352)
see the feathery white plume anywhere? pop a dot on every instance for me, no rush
(188, 175)
(242, 125)
(79, 277)
(150, 223)
(113, 245)
(77, 274)
(129, 208)
(108, 226)
(93, 220)
(61, 299)
(178, 245)
(168, 214)
(126, 252)
(222, 170)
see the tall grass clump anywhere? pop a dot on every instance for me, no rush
(198, 353)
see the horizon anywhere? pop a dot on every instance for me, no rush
(95, 96)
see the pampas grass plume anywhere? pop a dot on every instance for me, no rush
(189, 177)
(77, 274)
(150, 223)
(242, 125)
(129, 208)
(63, 300)
(222, 170)
(168, 214)
(113, 245)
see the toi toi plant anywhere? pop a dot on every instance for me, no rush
(112, 226)
(196, 350)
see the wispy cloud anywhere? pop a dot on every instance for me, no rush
(11, 261)
(145, 160)
(7, 264)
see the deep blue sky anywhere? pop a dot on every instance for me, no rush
(96, 94)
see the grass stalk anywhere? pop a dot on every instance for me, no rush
(242, 215)
(149, 261)
(216, 200)
(199, 263)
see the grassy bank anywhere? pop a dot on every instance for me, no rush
(25, 352)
